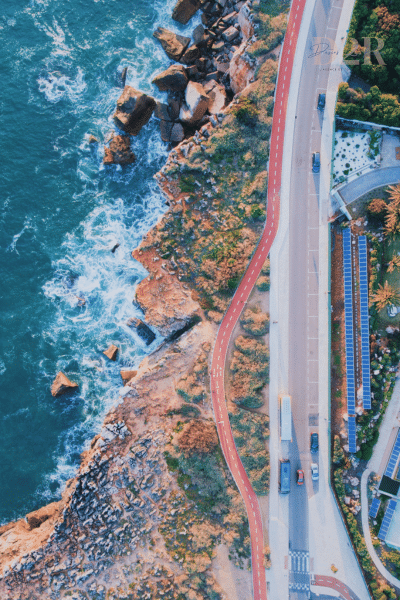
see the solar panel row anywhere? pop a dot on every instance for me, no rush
(365, 355)
(393, 457)
(352, 434)
(348, 313)
(387, 519)
(375, 504)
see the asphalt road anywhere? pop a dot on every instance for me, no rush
(242, 294)
(304, 260)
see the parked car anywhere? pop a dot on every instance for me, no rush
(314, 471)
(314, 444)
(316, 162)
(284, 476)
(300, 476)
(321, 102)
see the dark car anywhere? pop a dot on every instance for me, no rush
(321, 102)
(314, 445)
(316, 162)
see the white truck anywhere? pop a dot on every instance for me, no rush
(286, 419)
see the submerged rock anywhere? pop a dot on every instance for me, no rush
(173, 44)
(134, 110)
(119, 151)
(111, 352)
(174, 78)
(62, 384)
(185, 9)
(143, 330)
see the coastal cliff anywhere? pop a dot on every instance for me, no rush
(153, 500)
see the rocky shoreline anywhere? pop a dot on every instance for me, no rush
(153, 501)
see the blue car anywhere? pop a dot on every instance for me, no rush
(316, 162)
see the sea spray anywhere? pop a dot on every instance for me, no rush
(62, 213)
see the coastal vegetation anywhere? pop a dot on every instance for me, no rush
(250, 371)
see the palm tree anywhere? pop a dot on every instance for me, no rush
(394, 263)
(392, 219)
(386, 295)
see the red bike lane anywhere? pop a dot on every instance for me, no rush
(242, 293)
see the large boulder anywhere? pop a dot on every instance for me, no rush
(196, 103)
(245, 21)
(191, 55)
(173, 44)
(119, 151)
(111, 352)
(174, 78)
(185, 9)
(134, 109)
(217, 96)
(62, 384)
(177, 133)
(127, 375)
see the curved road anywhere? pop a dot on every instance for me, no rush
(242, 293)
(369, 181)
(335, 584)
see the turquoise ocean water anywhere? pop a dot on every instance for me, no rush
(61, 213)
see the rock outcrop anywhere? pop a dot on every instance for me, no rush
(173, 44)
(134, 110)
(111, 352)
(119, 151)
(174, 78)
(62, 385)
(242, 69)
(185, 9)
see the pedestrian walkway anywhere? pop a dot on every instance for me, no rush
(335, 584)
(367, 182)
(377, 464)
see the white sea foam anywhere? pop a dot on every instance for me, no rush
(13, 246)
(3, 367)
(56, 86)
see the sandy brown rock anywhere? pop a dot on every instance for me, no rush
(174, 78)
(167, 305)
(185, 9)
(62, 384)
(173, 44)
(111, 352)
(127, 375)
(134, 109)
(119, 151)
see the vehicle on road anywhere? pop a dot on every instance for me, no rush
(316, 162)
(314, 444)
(314, 471)
(300, 476)
(286, 418)
(284, 476)
(321, 102)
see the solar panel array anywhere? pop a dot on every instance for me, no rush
(387, 519)
(352, 434)
(348, 313)
(393, 457)
(375, 504)
(365, 356)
